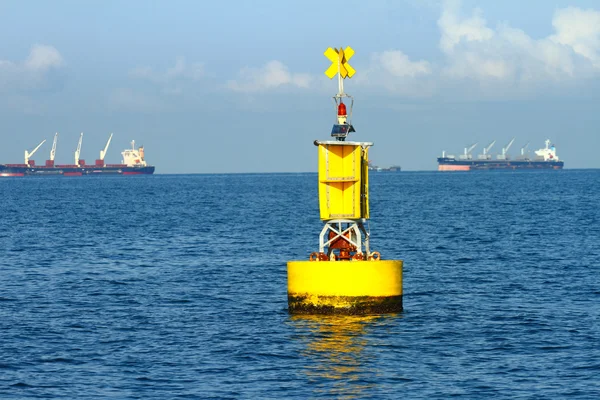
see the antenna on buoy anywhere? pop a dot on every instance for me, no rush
(340, 67)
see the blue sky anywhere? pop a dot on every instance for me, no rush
(238, 86)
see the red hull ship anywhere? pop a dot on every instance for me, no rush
(545, 158)
(133, 163)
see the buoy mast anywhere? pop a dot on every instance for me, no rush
(341, 68)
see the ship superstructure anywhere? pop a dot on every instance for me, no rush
(133, 157)
(545, 158)
(133, 163)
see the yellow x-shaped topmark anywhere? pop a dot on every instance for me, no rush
(339, 62)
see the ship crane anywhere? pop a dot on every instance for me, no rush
(503, 156)
(50, 162)
(485, 155)
(100, 161)
(467, 155)
(523, 156)
(28, 154)
(53, 151)
(78, 151)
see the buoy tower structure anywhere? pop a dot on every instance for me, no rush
(344, 276)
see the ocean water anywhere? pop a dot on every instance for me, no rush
(168, 287)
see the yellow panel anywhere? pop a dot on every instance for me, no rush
(365, 183)
(333, 56)
(345, 278)
(344, 287)
(342, 181)
(348, 52)
(332, 70)
(339, 62)
(343, 71)
(349, 70)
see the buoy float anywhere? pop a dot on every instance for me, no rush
(344, 276)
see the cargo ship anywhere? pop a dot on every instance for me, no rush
(545, 158)
(133, 163)
(375, 168)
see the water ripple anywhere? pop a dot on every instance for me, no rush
(182, 292)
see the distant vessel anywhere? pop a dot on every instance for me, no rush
(545, 158)
(133, 163)
(393, 168)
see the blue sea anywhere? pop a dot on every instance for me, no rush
(174, 287)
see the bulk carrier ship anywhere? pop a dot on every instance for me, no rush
(544, 158)
(133, 163)
(375, 168)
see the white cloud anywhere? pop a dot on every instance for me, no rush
(272, 75)
(579, 29)
(509, 57)
(454, 30)
(182, 70)
(395, 72)
(391, 69)
(477, 59)
(34, 73)
(397, 64)
(174, 79)
(42, 58)
(131, 100)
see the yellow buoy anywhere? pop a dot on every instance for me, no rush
(344, 276)
(345, 287)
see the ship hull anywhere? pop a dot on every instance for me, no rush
(9, 170)
(451, 164)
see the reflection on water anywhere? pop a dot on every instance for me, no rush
(337, 352)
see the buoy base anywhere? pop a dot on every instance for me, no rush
(344, 305)
(345, 287)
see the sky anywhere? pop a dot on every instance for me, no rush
(239, 86)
